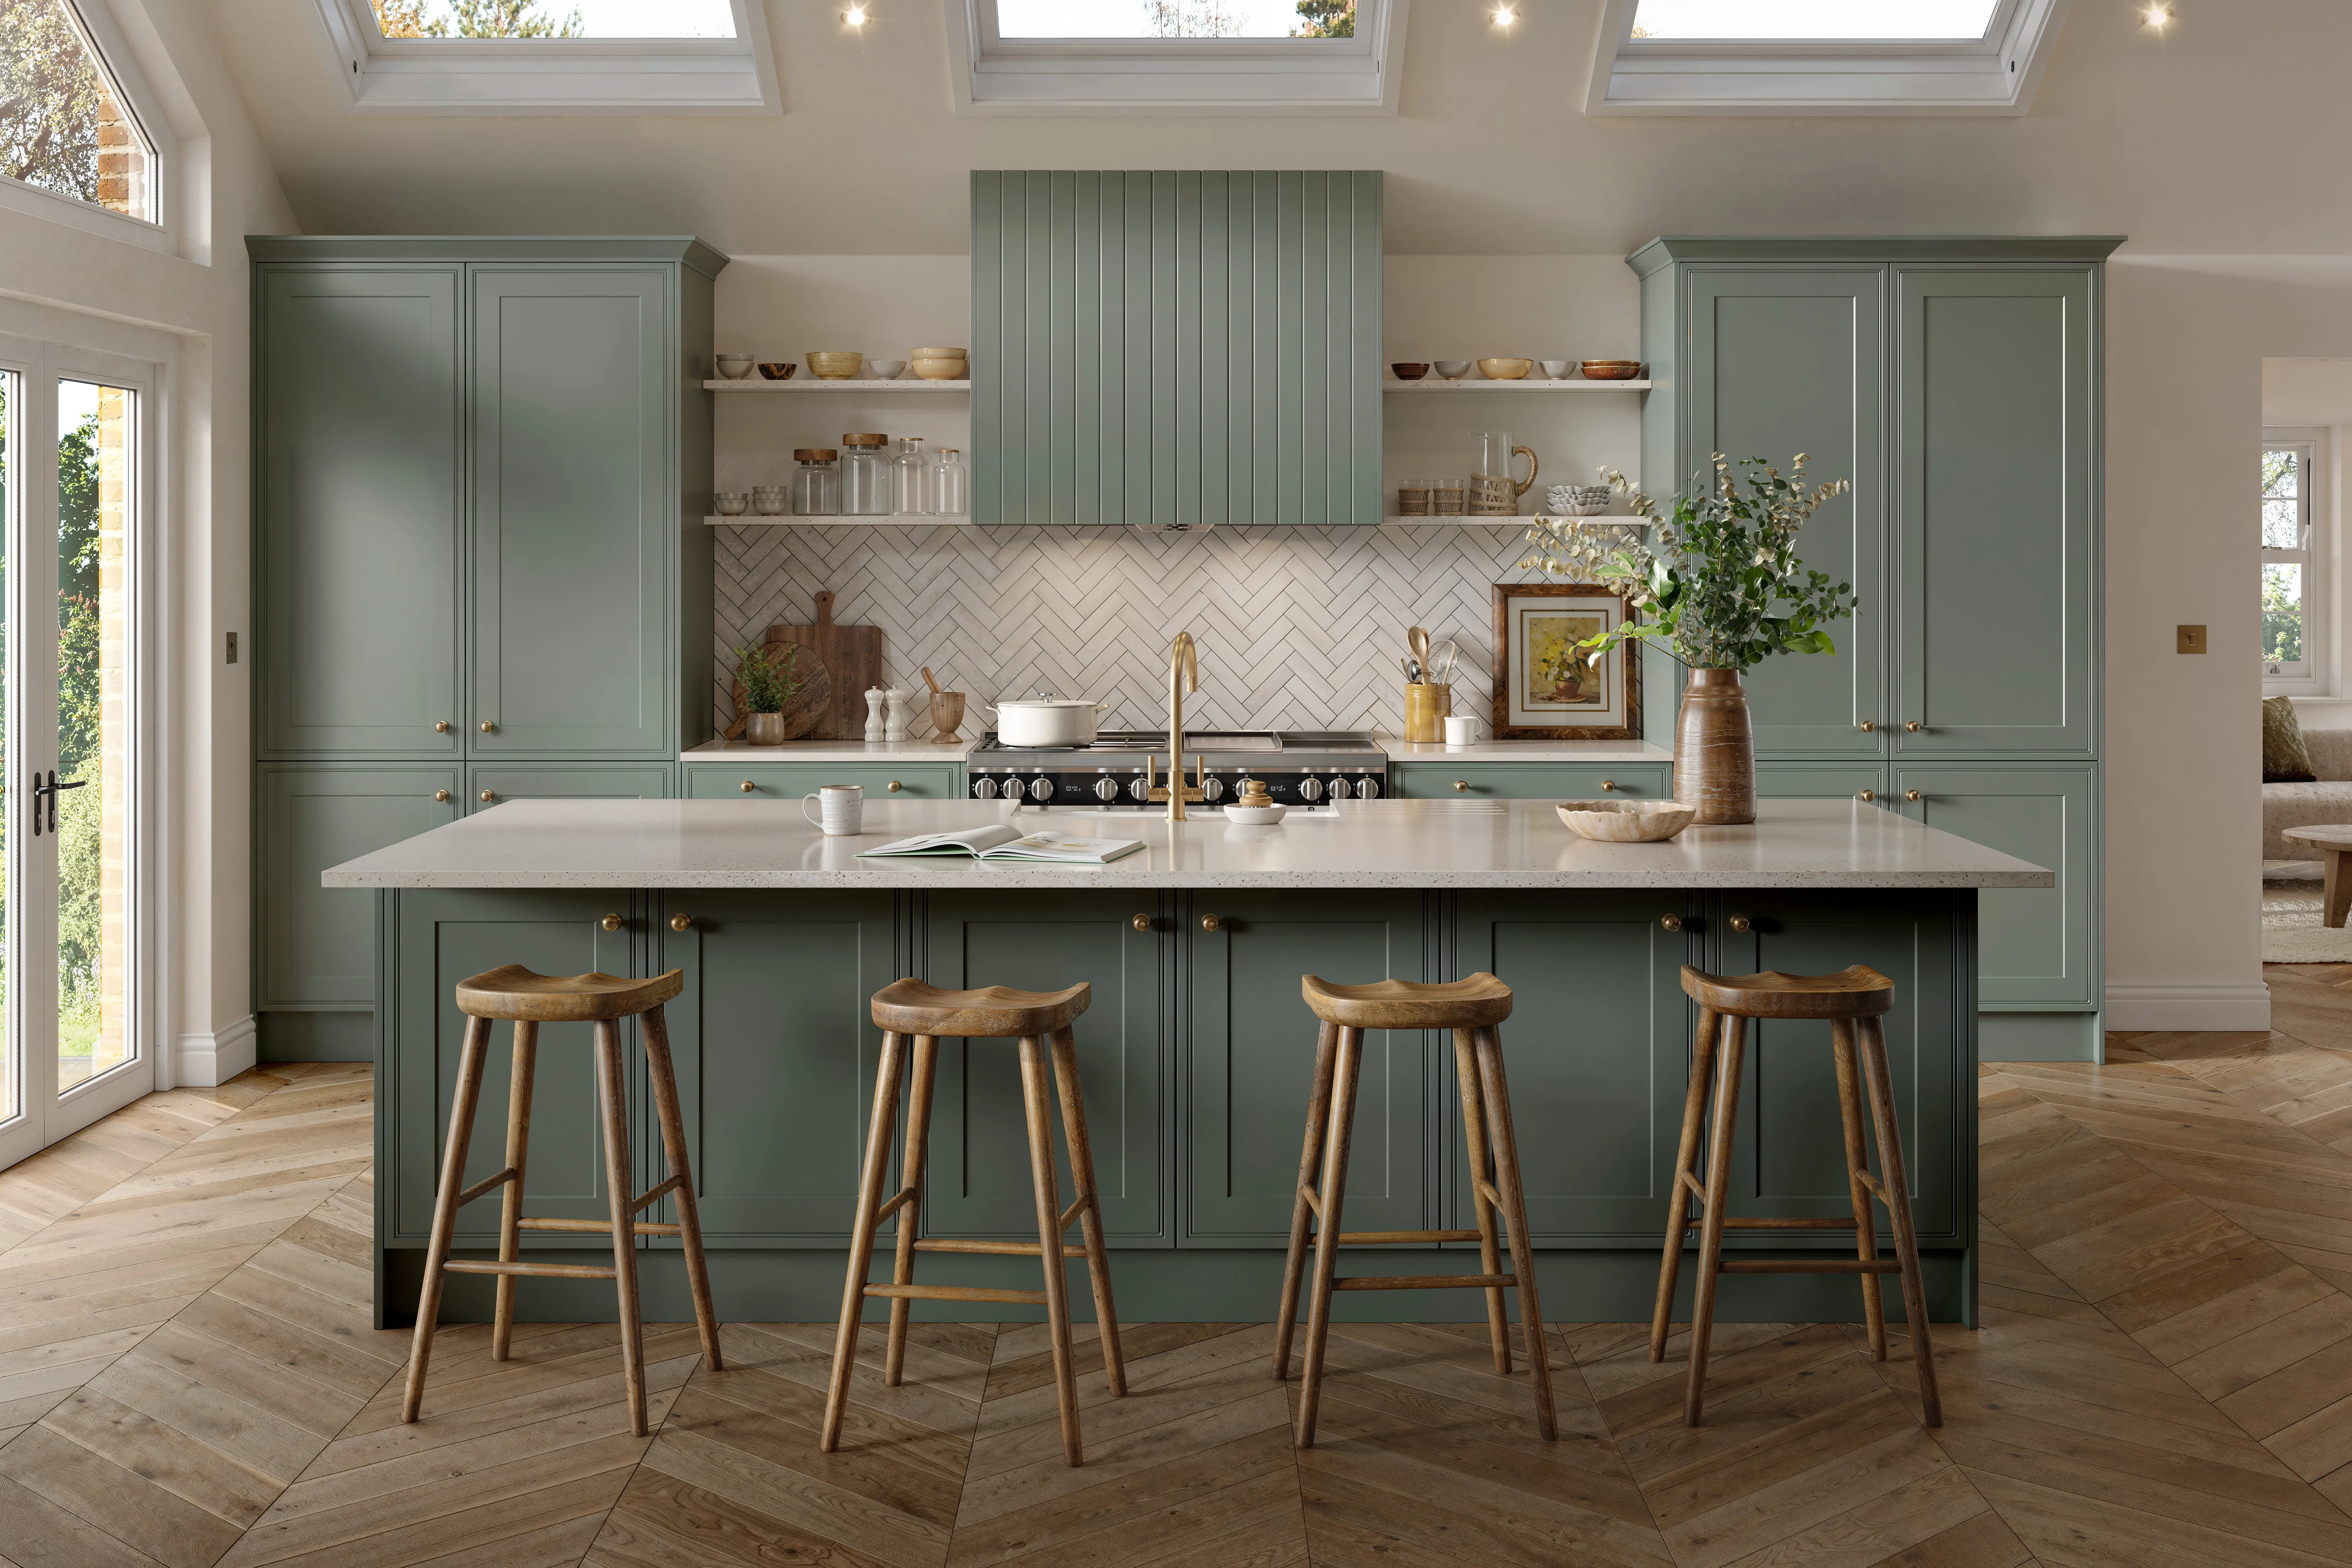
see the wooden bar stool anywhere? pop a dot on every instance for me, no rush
(530, 1000)
(1040, 1020)
(1471, 1008)
(1852, 1001)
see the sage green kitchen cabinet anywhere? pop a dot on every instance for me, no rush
(317, 946)
(439, 938)
(978, 1183)
(1821, 781)
(493, 783)
(1249, 1060)
(884, 782)
(776, 1050)
(1176, 347)
(1530, 781)
(1597, 1053)
(357, 460)
(2040, 946)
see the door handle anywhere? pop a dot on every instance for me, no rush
(52, 790)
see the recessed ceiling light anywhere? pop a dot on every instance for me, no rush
(854, 15)
(2157, 16)
(1506, 14)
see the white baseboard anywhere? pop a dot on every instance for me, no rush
(2160, 1004)
(207, 1061)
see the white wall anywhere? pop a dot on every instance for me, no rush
(87, 288)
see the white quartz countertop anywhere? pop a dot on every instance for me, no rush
(1401, 751)
(830, 752)
(1366, 844)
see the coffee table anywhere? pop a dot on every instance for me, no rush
(2336, 837)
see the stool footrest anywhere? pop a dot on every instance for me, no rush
(1733, 1222)
(485, 1185)
(955, 1293)
(654, 1196)
(904, 1196)
(995, 1248)
(1424, 1281)
(1811, 1265)
(1390, 1237)
(530, 1270)
(599, 1227)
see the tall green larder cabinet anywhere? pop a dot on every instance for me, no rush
(479, 571)
(1957, 384)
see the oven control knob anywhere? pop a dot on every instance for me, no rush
(1213, 788)
(1105, 790)
(1338, 788)
(1310, 789)
(983, 789)
(1043, 790)
(1367, 788)
(1139, 788)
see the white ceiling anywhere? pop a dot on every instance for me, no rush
(2199, 141)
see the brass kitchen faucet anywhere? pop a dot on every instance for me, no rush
(1183, 675)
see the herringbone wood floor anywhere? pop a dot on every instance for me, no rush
(2165, 1377)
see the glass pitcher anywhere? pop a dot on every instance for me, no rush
(1493, 492)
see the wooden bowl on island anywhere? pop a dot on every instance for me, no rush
(1625, 821)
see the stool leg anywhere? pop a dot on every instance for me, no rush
(1899, 1207)
(1091, 1226)
(1473, 1147)
(662, 1072)
(1857, 1164)
(1718, 1199)
(612, 1100)
(526, 1056)
(910, 1174)
(1338, 1125)
(1685, 1164)
(1040, 1114)
(861, 1234)
(1310, 1160)
(445, 1207)
(1515, 1215)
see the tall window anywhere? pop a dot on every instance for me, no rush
(64, 125)
(2289, 582)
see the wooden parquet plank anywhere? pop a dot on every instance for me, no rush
(38, 1533)
(157, 1451)
(169, 1529)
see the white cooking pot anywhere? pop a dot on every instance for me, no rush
(1045, 720)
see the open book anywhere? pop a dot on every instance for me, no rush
(999, 842)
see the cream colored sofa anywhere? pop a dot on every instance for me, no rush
(2286, 805)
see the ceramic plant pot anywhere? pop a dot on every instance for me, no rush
(1715, 750)
(764, 729)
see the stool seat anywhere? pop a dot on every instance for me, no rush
(1855, 991)
(1480, 1002)
(512, 992)
(912, 1007)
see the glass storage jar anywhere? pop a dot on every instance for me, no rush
(911, 479)
(865, 475)
(951, 485)
(816, 487)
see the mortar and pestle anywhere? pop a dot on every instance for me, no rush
(947, 707)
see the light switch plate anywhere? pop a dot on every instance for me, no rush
(2192, 639)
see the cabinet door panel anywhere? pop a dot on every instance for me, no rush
(318, 944)
(573, 402)
(1994, 456)
(776, 1052)
(1597, 1052)
(565, 781)
(1251, 1062)
(2040, 947)
(979, 1183)
(1785, 360)
(443, 938)
(359, 511)
(1820, 781)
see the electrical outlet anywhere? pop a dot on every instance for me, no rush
(2192, 639)
(232, 647)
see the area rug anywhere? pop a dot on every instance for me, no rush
(2292, 932)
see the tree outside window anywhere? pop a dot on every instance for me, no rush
(2286, 558)
(63, 127)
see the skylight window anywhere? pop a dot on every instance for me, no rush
(1951, 21)
(1176, 56)
(554, 19)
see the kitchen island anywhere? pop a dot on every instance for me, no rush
(1197, 1050)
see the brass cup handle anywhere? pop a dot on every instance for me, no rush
(896, 787)
(1609, 785)
(1463, 784)
(1911, 794)
(1670, 922)
(1913, 725)
(1141, 923)
(440, 726)
(487, 726)
(749, 786)
(1867, 726)
(1867, 794)
(489, 795)
(1742, 923)
(1208, 923)
(681, 922)
(440, 795)
(611, 922)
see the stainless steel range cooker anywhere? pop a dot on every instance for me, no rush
(1303, 769)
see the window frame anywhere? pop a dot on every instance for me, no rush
(1995, 75)
(2309, 675)
(102, 34)
(991, 74)
(551, 76)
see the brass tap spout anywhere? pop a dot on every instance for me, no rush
(1183, 675)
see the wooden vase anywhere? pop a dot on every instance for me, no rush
(1714, 748)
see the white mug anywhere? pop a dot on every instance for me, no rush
(1461, 730)
(841, 809)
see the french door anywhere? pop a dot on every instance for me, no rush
(74, 482)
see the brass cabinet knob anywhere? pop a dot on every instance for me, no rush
(1867, 794)
(1670, 922)
(1913, 725)
(1867, 726)
(1461, 784)
(1608, 784)
(896, 787)
(681, 922)
(1910, 794)
(749, 786)
(611, 922)
(1141, 923)
(1208, 923)
(1741, 924)
(440, 726)
(489, 795)
(440, 795)
(487, 726)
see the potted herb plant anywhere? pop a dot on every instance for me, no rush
(1719, 586)
(770, 681)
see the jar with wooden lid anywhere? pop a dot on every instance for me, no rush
(816, 487)
(865, 475)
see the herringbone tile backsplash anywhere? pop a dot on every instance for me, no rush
(1297, 628)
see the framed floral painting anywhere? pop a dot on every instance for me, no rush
(1548, 687)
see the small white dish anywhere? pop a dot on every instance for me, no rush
(1453, 369)
(887, 369)
(1255, 815)
(734, 367)
(1559, 369)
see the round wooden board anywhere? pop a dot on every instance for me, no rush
(807, 707)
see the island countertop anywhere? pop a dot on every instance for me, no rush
(1369, 844)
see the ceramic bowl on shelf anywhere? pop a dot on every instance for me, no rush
(1409, 370)
(943, 364)
(1577, 501)
(1454, 369)
(885, 368)
(1625, 821)
(777, 370)
(731, 503)
(1505, 369)
(1612, 369)
(734, 367)
(769, 501)
(1255, 815)
(1559, 369)
(835, 364)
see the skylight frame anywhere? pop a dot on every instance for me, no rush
(1994, 75)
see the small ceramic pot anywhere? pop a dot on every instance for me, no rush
(764, 729)
(734, 367)
(777, 370)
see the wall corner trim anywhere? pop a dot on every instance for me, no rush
(2167, 1005)
(207, 1061)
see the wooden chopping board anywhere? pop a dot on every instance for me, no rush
(852, 656)
(808, 704)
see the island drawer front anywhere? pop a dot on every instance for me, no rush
(317, 946)
(503, 781)
(2040, 946)
(1820, 781)
(790, 781)
(1530, 781)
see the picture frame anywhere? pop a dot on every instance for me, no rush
(1547, 689)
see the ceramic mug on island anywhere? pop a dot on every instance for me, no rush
(841, 810)
(1461, 730)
